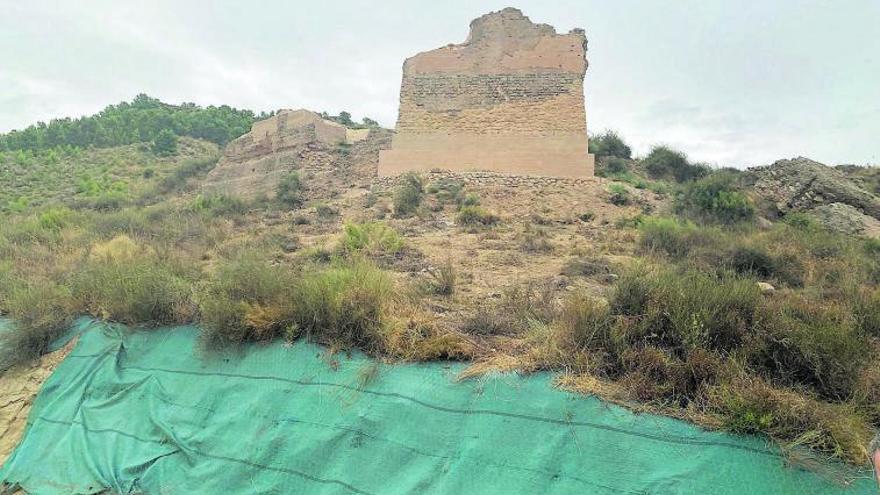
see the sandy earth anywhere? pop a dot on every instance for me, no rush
(18, 388)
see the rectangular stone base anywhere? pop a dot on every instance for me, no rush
(557, 155)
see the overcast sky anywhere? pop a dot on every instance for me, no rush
(731, 83)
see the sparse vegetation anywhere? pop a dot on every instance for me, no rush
(665, 311)
(618, 195)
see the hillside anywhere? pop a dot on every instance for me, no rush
(664, 286)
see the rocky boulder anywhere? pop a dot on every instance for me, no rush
(804, 185)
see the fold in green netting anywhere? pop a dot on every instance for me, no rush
(145, 412)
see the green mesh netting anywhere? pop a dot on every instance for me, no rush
(143, 412)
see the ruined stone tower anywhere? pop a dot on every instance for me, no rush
(509, 99)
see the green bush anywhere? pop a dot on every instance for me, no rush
(290, 190)
(408, 196)
(372, 239)
(757, 261)
(165, 143)
(474, 216)
(665, 163)
(752, 405)
(609, 144)
(715, 198)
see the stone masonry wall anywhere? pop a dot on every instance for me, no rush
(509, 99)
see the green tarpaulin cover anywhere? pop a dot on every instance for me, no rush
(145, 412)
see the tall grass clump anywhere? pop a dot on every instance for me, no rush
(677, 239)
(40, 312)
(344, 305)
(126, 282)
(371, 239)
(245, 300)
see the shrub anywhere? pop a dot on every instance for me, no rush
(448, 190)
(325, 211)
(473, 216)
(344, 305)
(586, 267)
(519, 307)
(715, 198)
(40, 311)
(615, 166)
(811, 342)
(685, 310)
(470, 199)
(757, 261)
(866, 310)
(801, 221)
(55, 218)
(246, 299)
(408, 196)
(619, 195)
(609, 144)
(372, 239)
(290, 190)
(664, 162)
(219, 205)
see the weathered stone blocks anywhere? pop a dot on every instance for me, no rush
(510, 99)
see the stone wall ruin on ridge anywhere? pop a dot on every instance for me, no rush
(510, 99)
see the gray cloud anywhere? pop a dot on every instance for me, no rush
(729, 83)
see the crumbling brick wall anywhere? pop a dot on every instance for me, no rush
(509, 99)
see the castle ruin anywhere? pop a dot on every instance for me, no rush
(509, 99)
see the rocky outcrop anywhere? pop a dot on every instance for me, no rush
(253, 164)
(804, 185)
(509, 99)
